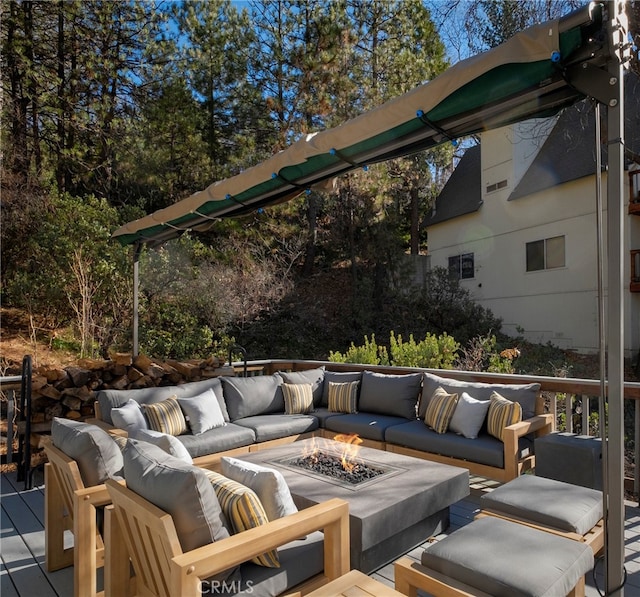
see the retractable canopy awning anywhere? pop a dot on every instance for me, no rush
(533, 74)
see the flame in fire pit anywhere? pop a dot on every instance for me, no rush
(351, 448)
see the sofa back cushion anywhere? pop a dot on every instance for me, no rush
(251, 396)
(181, 490)
(108, 399)
(313, 376)
(393, 395)
(336, 377)
(99, 458)
(524, 394)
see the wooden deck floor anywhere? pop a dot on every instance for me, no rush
(23, 574)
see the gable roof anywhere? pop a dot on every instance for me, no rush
(567, 154)
(461, 194)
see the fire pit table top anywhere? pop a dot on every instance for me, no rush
(389, 514)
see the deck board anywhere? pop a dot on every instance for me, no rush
(23, 573)
(23, 543)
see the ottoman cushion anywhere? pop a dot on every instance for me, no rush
(544, 501)
(506, 559)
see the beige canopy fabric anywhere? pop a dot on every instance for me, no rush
(523, 77)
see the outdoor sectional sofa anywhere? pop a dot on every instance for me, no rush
(235, 415)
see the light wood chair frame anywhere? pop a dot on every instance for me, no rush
(138, 532)
(69, 505)
(410, 576)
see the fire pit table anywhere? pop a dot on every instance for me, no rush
(394, 505)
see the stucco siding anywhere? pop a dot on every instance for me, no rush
(553, 305)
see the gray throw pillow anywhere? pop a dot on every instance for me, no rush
(524, 394)
(181, 490)
(202, 411)
(169, 443)
(313, 376)
(267, 483)
(337, 377)
(194, 388)
(99, 458)
(129, 417)
(469, 416)
(251, 396)
(393, 395)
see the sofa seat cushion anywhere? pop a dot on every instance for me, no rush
(366, 425)
(395, 395)
(98, 456)
(251, 396)
(217, 440)
(548, 502)
(275, 426)
(506, 559)
(299, 561)
(108, 399)
(323, 413)
(525, 394)
(415, 434)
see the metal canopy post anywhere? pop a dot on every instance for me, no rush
(614, 454)
(137, 249)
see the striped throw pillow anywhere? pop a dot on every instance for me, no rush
(343, 397)
(166, 416)
(440, 410)
(502, 413)
(244, 510)
(298, 398)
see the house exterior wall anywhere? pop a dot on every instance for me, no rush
(554, 305)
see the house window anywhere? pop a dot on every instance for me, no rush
(461, 267)
(545, 254)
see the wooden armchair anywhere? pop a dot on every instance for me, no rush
(69, 505)
(137, 530)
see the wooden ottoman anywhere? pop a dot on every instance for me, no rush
(491, 556)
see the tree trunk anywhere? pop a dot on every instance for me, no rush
(312, 222)
(415, 221)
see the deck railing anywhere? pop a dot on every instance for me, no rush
(572, 401)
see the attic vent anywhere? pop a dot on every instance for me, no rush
(498, 185)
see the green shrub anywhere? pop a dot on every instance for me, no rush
(369, 353)
(175, 333)
(433, 352)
